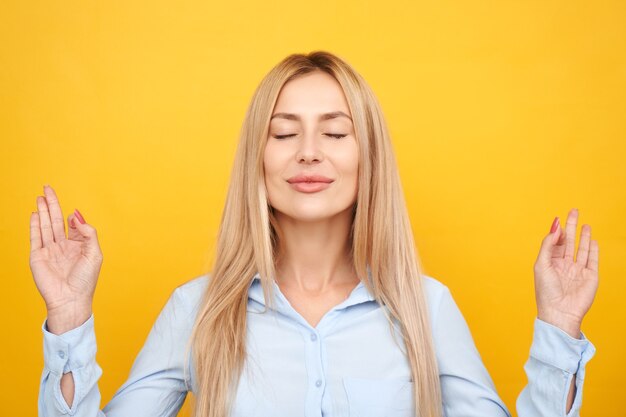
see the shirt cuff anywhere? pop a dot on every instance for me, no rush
(70, 350)
(555, 347)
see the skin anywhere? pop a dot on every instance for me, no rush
(65, 269)
(313, 270)
(565, 287)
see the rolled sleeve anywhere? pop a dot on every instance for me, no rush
(555, 357)
(73, 351)
(70, 350)
(555, 347)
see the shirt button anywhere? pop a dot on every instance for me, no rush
(61, 354)
(318, 383)
(313, 337)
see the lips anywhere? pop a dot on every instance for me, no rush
(309, 183)
(309, 178)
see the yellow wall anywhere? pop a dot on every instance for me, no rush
(503, 115)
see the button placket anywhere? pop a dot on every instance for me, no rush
(318, 358)
(315, 368)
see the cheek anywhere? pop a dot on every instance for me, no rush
(352, 166)
(270, 161)
(273, 167)
(349, 161)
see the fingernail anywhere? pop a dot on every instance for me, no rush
(555, 225)
(79, 216)
(72, 225)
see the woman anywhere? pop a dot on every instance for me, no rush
(314, 223)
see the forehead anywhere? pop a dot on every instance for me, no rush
(316, 92)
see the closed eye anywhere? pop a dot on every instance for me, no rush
(332, 135)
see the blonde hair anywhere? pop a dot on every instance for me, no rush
(248, 239)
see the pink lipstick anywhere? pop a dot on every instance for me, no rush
(309, 183)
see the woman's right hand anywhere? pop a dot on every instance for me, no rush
(65, 269)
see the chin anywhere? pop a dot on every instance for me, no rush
(311, 214)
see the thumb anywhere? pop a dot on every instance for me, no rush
(547, 245)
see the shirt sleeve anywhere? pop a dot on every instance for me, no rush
(158, 382)
(555, 358)
(466, 387)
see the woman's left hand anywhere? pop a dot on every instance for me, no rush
(564, 287)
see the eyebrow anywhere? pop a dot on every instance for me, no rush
(324, 116)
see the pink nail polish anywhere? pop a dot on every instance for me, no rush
(79, 216)
(555, 225)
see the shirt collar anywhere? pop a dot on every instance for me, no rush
(358, 295)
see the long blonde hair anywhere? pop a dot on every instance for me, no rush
(248, 240)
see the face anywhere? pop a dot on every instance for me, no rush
(311, 157)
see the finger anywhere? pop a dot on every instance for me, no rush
(56, 214)
(592, 262)
(35, 233)
(548, 245)
(89, 236)
(583, 246)
(72, 231)
(559, 247)
(570, 234)
(44, 221)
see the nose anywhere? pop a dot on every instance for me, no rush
(308, 150)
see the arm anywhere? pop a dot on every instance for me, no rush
(68, 319)
(157, 384)
(66, 374)
(466, 387)
(556, 361)
(570, 395)
(564, 289)
(555, 371)
(65, 269)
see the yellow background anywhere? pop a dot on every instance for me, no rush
(503, 115)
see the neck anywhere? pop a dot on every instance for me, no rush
(315, 256)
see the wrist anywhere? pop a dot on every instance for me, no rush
(69, 317)
(569, 325)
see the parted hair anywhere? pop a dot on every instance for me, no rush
(382, 246)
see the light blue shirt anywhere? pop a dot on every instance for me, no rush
(348, 365)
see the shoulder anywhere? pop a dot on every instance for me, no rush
(433, 288)
(194, 286)
(433, 285)
(434, 291)
(189, 294)
(192, 290)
